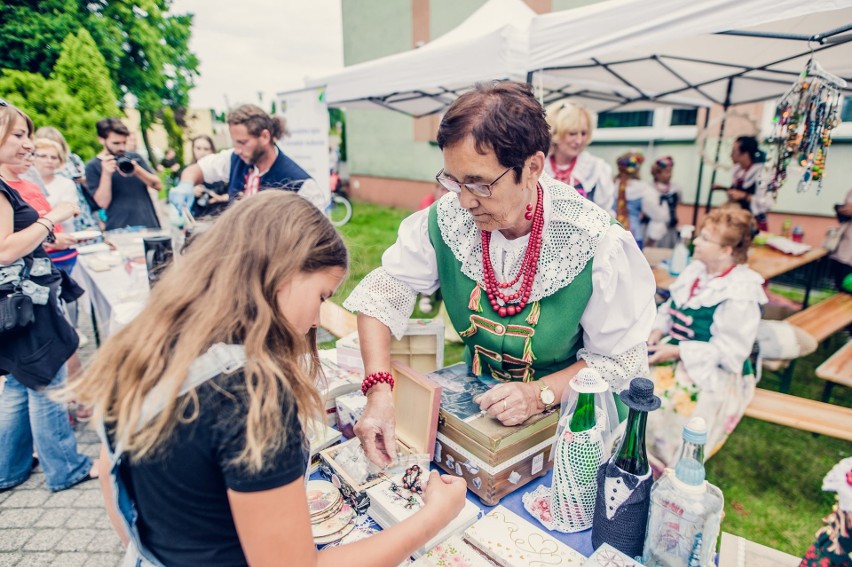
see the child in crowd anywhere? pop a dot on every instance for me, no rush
(629, 192)
(205, 398)
(660, 206)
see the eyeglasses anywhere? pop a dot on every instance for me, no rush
(478, 189)
(703, 237)
(3, 102)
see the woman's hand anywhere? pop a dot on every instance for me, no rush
(63, 211)
(511, 403)
(63, 241)
(663, 353)
(655, 337)
(737, 195)
(376, 428)
(224, 198)
(198, 190)
(444, 496)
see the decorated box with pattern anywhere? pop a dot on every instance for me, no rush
(608, 556)
(454, 552)
(510, 541)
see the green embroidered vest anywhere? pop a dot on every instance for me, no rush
(540, 340)
(694, 325)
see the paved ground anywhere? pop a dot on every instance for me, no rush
(62, 529)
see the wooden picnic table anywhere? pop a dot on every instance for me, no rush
(764, 260)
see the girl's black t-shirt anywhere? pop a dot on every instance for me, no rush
(181, 492)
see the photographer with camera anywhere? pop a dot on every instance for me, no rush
(118, 180)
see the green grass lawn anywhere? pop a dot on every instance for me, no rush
(771, 475)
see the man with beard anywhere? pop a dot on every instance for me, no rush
(255, 163)
(118, 179)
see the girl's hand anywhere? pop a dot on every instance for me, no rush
(655, 337)
(444, 496)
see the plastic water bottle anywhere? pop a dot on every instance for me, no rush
(680, 254)
(686, 510)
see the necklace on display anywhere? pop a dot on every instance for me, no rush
(500, 301)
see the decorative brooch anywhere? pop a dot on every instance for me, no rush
(411, 479)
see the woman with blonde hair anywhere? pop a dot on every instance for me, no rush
(74, 169)
(205, 397)
(703, 338)
(35, 337)
(569, 162)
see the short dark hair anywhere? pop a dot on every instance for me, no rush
(256, 120)
(111, 124)
(748, 145)
(503, 116)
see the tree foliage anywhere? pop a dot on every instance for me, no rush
(145, 48)
(82, 68)
(48, 103)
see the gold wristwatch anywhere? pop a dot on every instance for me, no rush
(546, 395)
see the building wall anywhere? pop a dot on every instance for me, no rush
(393, 158)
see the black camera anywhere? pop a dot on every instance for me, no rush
(125, 164)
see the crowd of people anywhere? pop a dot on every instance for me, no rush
(203, 400)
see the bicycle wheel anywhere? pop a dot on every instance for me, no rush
(340, 210)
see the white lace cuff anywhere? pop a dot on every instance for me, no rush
(620, 369)
(384, 297)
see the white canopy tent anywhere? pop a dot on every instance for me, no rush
(490, 44)
(624, 53)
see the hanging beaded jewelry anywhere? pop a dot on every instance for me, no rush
(804, 118)
(411, 479)
(526, 274)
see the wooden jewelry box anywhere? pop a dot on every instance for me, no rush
(494, 459)
(416, 401)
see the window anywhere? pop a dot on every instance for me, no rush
(684, 117)
(846, 113)
(630, 119)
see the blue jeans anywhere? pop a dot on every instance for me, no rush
(30, 420)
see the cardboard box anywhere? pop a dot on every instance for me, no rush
(504, 458)
(421, 348)
(416, 401)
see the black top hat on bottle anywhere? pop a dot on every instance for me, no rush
(640, 395)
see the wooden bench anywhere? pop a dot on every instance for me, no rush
(801, 413)
(837, 369)
(824, 318)
(819, 321)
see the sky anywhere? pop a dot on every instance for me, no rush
(266, 46)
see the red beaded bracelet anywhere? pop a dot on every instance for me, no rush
(375, 378)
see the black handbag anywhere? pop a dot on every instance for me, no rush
(16, 309)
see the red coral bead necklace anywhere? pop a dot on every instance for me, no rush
(526, 273)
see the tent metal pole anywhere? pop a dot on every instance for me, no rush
(725, 108)
(697, 204)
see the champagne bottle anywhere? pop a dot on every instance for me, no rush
(624, 482)
(584, 416)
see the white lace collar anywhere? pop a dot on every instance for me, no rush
(587, 170)
(573, 228)
(741, 283)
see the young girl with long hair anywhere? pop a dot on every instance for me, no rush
(216, 476)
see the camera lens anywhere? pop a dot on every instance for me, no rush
(125, 164)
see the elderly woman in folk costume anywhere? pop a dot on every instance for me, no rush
(569, 162)
(537, 280)
(703, 337)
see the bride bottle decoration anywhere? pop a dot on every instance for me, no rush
(581, 445)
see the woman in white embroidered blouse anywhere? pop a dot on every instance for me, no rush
(703, 337)
(559, 287)
(571, 127)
